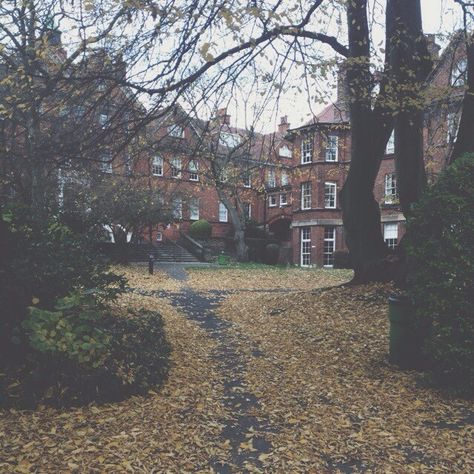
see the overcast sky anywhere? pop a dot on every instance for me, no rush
(439, 16)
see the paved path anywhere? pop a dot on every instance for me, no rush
(201, 308)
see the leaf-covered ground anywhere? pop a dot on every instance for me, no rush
(315, 361)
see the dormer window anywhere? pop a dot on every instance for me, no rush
(176, 131)
(284, 151)
(230, 140)
(459, 73)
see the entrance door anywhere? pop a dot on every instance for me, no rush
(305, 238)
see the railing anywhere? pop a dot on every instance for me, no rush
(193, 246)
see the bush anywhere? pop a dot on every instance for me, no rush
(201, 229)
(71, 331)
(254, 231)
(85, 354)
(272, 252)
(342, 259)
(440, 247)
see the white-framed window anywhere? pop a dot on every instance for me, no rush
(306, 195)
(157, 166)
(329, 246)
(104, 120)
(390, 234)
(452, 127)
(128, 164)
(330, 193)
(284, 151)
(307, 150)
(271, 179)
(272, 200)
(284, 178)
(230, 140)
(105, 164)
(391, 190)
(332, 148)
(193, 170)
(159, 236)
(177, 208)
(283, 199)
(176, 165)
(194, 209)
(247, 210)
(459, 73)
(223, 214)
(246, 179)
(390, 148)
(176, 131)
(305, 246)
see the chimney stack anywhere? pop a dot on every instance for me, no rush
(222, 117)
(283, 126)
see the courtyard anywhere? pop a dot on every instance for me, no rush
(272, 370)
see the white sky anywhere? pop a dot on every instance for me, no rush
(441, 17)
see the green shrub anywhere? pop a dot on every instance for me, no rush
(71, 331)
(440, 245)
(201, 229)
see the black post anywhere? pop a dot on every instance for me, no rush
(151, 261)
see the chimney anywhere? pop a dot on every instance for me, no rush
(433, 47)
(283, 125)
(222, 117)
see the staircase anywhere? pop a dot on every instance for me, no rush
(162, 252)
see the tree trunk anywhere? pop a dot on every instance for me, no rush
(361, 213)
(410, 64)
(465, 139)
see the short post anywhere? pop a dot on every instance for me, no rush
(151, 261)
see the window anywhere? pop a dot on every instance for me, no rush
(157, 166)
(194, 209)
(271, 180)
(230, 140)
(103, 120)
(330, 195)
(307, 150)
(283, 200)
(306, 195)
(193, 171)
(391, 191)
(177, 208)
(247, 210)
(452, 127)
(159, 236)
(459, 73)
(329, 246)
(305, 250)
(105, 164)
(176, 131)
(176, 167)
(246, 179)
(332, 148)
(272, 200)
(223, 217)
(390, 234)
(284, 178)
(390, 148)
(128, 163)
(284, 151)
